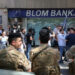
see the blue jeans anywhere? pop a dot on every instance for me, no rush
(28, 50)
(61, 49)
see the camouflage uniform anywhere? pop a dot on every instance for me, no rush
(46, 62)
(12, 59)
(70, 54)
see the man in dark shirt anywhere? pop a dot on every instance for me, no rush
(71, 38)
(29, 41)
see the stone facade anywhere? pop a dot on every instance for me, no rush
(37, 4)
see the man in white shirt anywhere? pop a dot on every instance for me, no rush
(61, 42)
(3, 40)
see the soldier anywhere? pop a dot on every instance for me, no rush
(44, 58)
(70, 55)
(11, 58)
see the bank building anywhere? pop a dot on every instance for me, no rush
(36, 14)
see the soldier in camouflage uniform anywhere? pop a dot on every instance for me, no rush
(45, 59)
(11, 58)
(70, 55)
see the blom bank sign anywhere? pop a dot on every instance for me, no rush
(41, 13)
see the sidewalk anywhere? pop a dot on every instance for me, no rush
(64, 69)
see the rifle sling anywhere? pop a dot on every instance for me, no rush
(39, 52)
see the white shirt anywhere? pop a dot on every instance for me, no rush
(21, 49)
(61, 39)
(56, 31)
(4, 39)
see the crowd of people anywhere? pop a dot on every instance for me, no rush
(62, 39)
(15, 49)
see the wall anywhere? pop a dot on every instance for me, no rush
(37, 3)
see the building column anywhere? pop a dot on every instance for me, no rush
(5, 19)
(24, 24)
